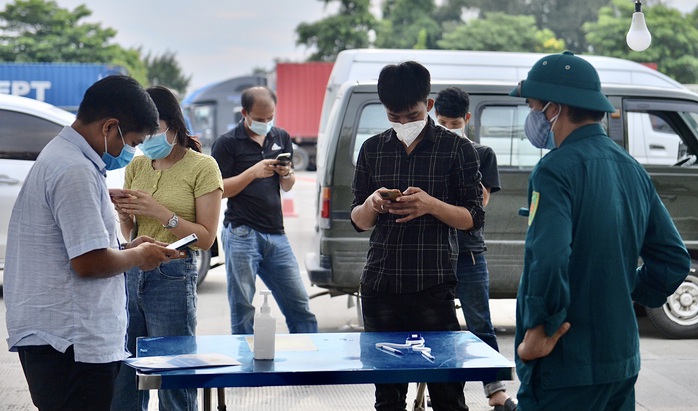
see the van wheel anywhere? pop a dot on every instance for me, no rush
(203, 263)
(301, 159)
(678, 318)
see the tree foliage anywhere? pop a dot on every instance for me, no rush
(408, 24)
(564, 18)
(165, 71)
(41, 31)
(501, 32)
(674, 45)
(346, 30)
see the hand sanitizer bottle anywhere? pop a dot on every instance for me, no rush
(264, 331)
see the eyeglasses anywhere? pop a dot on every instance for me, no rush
(518, 88)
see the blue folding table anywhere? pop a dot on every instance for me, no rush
(325, 359)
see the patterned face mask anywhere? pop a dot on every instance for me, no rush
(539, 130)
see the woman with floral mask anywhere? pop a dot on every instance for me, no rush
(170, 192)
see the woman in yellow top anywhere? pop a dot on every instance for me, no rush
(172, 191)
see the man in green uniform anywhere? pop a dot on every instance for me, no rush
(593, 212)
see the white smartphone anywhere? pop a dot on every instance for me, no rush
(183, 242)
(283, 159)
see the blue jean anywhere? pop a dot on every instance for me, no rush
(161, 302)
(473, 291)
(249, 253)
(429, 310)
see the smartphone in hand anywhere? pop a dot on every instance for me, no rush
(183, 242)
(283, 159)
(117, 193)
(390, 194)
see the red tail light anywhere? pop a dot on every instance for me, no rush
(325, 207)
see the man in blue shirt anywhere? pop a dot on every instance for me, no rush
(64, 285)
(593, 213)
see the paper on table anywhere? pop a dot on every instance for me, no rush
(176, 362)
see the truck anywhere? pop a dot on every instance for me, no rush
(300, 87)
(60, 84)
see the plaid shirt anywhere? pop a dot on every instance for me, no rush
(414, 256)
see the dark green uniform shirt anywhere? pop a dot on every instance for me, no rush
(593, 212)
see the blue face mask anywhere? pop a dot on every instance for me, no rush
(157, 146)
(125, 157)
(261, 128)
(539, 130)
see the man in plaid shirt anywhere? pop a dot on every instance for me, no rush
(408, 283)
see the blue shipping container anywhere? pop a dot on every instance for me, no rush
(60, 84)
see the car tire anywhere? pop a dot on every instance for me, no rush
(203, 263)
(678, 318)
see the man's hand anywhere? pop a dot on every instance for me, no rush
(154, 254)
(413, 203)
(263, 169)
(536, 344)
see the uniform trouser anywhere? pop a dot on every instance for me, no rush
(428, 310)
(59, 383)
(615, 396)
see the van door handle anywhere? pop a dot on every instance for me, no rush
(9, 181)
(657, 147)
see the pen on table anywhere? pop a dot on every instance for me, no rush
(428, 356)
(390, 349)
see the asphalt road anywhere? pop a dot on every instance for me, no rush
(668, 380)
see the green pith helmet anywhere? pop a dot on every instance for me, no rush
(566, 79)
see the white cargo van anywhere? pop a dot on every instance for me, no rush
(658, 125)
(366, 64)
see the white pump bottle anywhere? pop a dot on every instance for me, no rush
(264, 331)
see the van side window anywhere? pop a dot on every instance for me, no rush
(502, 129)
(652, 139)
(23, 136)
(372, 121)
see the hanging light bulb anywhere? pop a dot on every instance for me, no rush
(638, 38)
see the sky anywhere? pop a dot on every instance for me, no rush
(218, 39)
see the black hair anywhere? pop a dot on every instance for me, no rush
(578, 115)
(253, 93)
(452, 102)
(403, 86)
(123, 98)
(170, 112)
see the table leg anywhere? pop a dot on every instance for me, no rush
(207, 399)
(221, 399)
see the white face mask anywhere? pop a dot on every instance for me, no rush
(409, 132)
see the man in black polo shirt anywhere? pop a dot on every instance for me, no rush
(253, 237)
(409, 280)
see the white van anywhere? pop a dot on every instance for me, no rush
(366, 64)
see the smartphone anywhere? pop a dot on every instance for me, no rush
(117, 193)
(183, 242)
(390, 194)
(283, 159)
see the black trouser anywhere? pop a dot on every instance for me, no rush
(57, 382)
(428, 310)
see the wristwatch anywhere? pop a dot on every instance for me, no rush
(290, 173)
(172, 222)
